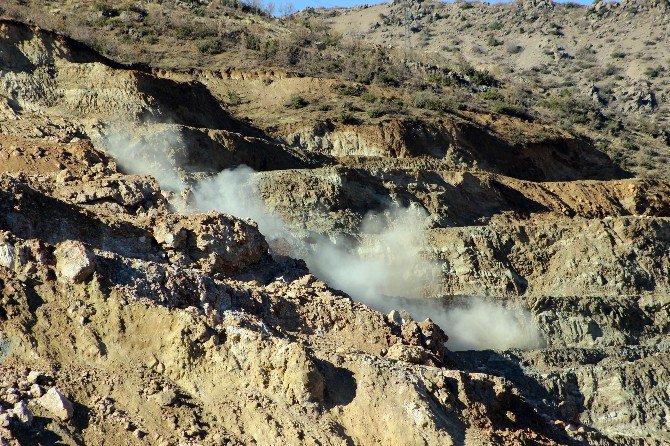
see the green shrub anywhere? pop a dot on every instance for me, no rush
(211, 45)
(296, 102)
(491, 95)
(349, 90)
(149, 38)
(346, 117)
(610, 70)
(368, 97)
(555, 29)
(513, 48)
(251, 42)
(483, 78)
(269, 49)
(504, 108)
(233, 98)
(396, 101)
(492, 41)
(387, 79)
(376, 112)
(647, 127)
(653, 72)
(430, 102)
(332, 66)
(629, 145)
(613, 127)
(196, 32)
(105, 8)
(441, 80)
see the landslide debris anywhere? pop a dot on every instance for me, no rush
(161, 327)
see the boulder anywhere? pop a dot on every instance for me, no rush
(74, 261)
(6, 255)
(57, 404)
(220, 243)
(434, 337)
(33, 376)
(22, 413)
(165, 397)
(36, 390)
(394, 316)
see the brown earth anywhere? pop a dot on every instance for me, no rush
(185, 328)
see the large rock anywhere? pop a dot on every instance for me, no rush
(22, 413)
(56, 403)
(221, 243)
(6, 255)
(74, 261)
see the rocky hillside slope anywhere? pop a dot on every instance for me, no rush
(599, 71)
(608, 57)
(511, 285)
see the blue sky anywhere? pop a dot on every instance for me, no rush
(301, 4)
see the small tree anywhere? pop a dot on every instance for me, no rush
(286, 9)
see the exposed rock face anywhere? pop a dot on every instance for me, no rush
(458, 143)
(171, 328)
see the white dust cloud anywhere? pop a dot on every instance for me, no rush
(389, 260)
(157, 155)
(482, 324)
(235, 191)
(387, 269)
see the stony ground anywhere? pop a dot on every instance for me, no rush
(131, 313)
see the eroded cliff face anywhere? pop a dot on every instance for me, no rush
(163, 323)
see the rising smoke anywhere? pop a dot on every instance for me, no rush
(387, 269)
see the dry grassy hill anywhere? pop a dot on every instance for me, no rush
(599, 71)
(602, 70)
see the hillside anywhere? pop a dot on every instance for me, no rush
(364, 244)
(599, 71)
(602, 69)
